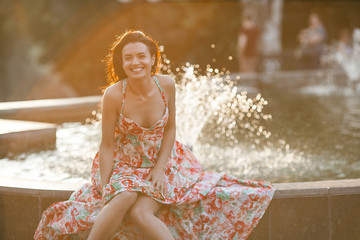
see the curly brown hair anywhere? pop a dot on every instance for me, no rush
(114, 62)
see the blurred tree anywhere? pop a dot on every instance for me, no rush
(40, 40)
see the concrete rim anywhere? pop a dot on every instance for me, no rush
(40, 189)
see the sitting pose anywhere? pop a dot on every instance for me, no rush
(144, 183)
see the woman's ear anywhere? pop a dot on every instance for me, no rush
(153, 60)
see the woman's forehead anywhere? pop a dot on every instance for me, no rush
(135, 48)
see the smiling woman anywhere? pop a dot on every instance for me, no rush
(144, 183)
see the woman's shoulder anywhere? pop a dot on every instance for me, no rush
(166, 81)
(114, 91)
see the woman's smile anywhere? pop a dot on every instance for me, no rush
(136, 70)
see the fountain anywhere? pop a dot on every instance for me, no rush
(307, 138)
(346, 60)
(350, 62)
(228, 131)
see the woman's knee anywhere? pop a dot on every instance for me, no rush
(123, 201)
(138, 213)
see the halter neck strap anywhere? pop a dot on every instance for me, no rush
(123, 96)
(161, 90)
(157, 83)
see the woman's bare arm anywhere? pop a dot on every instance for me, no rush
(106, 152)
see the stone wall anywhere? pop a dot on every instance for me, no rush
(302, 210)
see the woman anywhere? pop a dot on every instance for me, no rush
(145, 184)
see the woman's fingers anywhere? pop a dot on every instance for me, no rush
(162, 188)
(156, 182)
(149, 177)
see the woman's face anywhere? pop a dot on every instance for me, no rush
(137, 60)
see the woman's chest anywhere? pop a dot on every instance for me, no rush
(145, 112)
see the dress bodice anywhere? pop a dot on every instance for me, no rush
(137, 145)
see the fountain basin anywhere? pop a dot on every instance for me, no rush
(35, 132)
(22, 136)
(301, 210)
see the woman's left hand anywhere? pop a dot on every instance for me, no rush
(157, 177)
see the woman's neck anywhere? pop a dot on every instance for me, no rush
(141, 86)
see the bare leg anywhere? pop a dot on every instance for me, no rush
(142, 214)
(111, 216)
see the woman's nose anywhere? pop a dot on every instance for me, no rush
(135, 61)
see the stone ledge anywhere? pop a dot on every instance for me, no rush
(34, 188)
(283, 190)
(317, 188)
(299, 210)
(51, 110)
(22, 136)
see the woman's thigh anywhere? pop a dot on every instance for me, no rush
(143, 205)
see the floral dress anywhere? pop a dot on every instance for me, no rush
(196, 204)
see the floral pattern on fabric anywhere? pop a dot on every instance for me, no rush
(197, 204)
